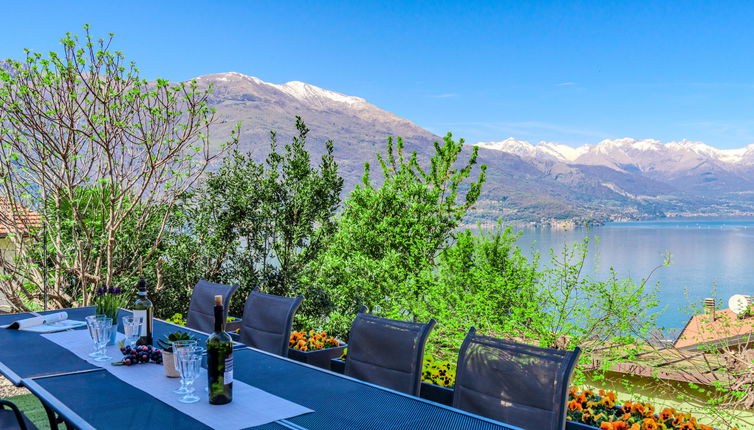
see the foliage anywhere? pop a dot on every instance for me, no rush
(84, 119)
(478, 280)
(599, 410)
(177, 319)
(312, 341)
(387, 234)
(253, 224)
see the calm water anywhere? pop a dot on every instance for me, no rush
(710, 257)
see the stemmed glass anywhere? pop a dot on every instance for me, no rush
(132, 329)
(176, 346)
(189, 362)
(102, 329)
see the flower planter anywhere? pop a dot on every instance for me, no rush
(168, 365)
(338, 365)
(431, 392)
(320, 358)
(233, 325)
(436, 393)
(573, 425)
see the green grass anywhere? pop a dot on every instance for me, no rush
(32, 408)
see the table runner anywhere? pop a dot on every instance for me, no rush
(250, 406)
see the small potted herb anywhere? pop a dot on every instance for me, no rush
(315, 348)
(108, 302)
(166, 344)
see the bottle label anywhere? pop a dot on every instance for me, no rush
(228, 375)
(142, 317)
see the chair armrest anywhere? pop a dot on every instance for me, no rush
(17, 412)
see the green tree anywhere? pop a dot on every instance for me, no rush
(389, 233)
(84, 119)
(256, 224)
(479, 280)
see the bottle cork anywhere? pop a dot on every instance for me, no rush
(218, 300)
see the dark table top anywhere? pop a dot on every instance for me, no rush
(91, 397)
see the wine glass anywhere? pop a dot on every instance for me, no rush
(102, 329)
(176, 346)
(190, 361)
(132, 329)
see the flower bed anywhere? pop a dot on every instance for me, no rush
(314, 348)
(590, 410)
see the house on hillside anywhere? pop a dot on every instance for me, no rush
(717, 328)
(19, 223)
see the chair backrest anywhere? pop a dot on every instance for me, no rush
(519, 384)
(387, 352)
(201, 313)
(267, 321)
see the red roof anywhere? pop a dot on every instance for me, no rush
(19, 223)
(727, 326)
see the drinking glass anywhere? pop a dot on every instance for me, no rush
(103, 327)
(190, 362)
(132, 330)
(176, 346)
(90, 320)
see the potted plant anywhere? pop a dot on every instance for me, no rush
(109, 301)
(315, 348)
(589, 410)
(233, 324)
(438, 379)
(166, 344)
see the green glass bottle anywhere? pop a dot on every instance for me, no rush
(143, 309)
(220, 360)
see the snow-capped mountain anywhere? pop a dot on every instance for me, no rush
(685, 168)
(646, 154)
(622, 178)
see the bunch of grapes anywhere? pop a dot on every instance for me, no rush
(140, 354)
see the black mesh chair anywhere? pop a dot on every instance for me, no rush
(518, 384)
(12, 418)
(201, 313)
(387, 352)
(267, 321)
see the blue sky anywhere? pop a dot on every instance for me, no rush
(571, 72)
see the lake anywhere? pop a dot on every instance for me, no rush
(710, 257)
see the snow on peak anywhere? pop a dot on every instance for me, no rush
(304, 91)
(510, 145)
(627, 144)
(522, 148)
(563, 152)
(625, 149)
(296, 89)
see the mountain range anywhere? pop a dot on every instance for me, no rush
(546, 183)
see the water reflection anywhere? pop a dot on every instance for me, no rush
(706, 254)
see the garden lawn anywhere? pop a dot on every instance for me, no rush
(31, 406)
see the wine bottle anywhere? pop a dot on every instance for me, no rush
(220, 360)
(143, 310)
